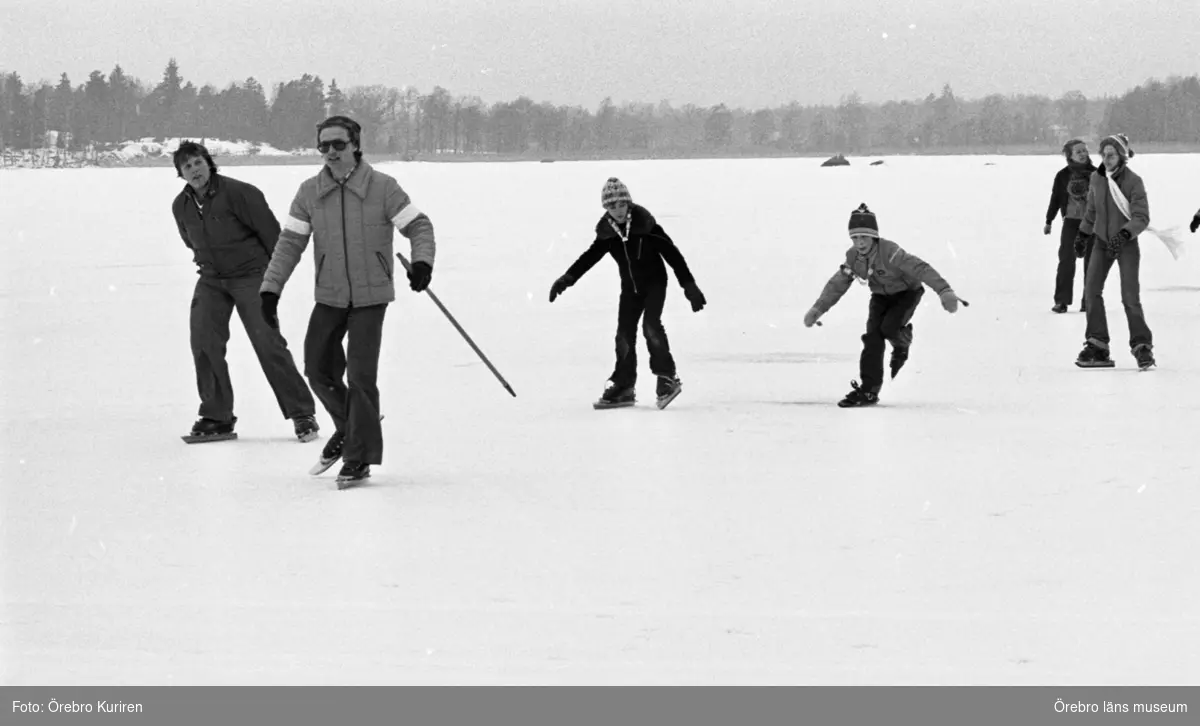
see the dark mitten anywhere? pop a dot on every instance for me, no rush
(270, 308)
(1195, 225)
(1081, 241)
(419, 275)
(1115, 242)
(560, 286)
(694, 296)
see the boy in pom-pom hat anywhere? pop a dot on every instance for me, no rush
(638, 244)
(896, 280)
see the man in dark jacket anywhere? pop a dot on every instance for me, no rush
(231, 231)
(1068, 197)
(638, 244)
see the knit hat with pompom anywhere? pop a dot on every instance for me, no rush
(614, 191)
(862, 221)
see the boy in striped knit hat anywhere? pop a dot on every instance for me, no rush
(896, 280)
(639, 245)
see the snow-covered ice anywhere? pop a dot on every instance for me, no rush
(1002, 517)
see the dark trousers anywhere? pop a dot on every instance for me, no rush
(1064, 280)
(647, 305)
(353, 404)
(1097, 320)
(887, 321)
(213, 302)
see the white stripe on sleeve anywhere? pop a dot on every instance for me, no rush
(295, 226)
(405, 216)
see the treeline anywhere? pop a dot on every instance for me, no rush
(106, 110)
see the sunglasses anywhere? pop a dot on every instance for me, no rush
(338, 144)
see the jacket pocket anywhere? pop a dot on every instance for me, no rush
(320, 269)
(383, 261)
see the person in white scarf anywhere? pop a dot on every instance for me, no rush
(1118, 210)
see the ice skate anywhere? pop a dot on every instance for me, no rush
(207, 430)
(669, 387)
(306, 428)
(1093, 356)
(614, 397)
(1059, 308)
(1145, 359)
(899, 358)
(858, 397)
(353, 473)
(330, 454)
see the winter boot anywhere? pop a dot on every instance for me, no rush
(1058, 308)
(614, 397)
(352, 473)
(668, 388)
(858, 396)
(1093, 356)
(1145, 359)
(306, 428)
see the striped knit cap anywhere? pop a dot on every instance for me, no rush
(1120, 142)
(614, 191)
(862, 221)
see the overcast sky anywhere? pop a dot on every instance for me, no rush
(747, 53)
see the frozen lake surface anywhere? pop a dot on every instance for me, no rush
(1001, 518)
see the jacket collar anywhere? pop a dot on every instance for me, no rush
(640, 222)
(356, 183)
(210, 191)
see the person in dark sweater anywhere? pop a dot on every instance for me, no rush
(896, 280)
(231, 231)
(639, 245)
(1068, 198)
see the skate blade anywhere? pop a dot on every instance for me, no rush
(310, 436)
(208, 438)
(666, 400)
(348, 483)
(1106, 364)
(322, 466)
(599, 405)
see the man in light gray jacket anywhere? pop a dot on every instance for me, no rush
(350, 211)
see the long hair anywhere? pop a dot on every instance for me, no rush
(189, 149)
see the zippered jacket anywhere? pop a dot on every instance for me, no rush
(352, 225)
(887, 270)
(639, 246)
(232, 233)
(1103, 217)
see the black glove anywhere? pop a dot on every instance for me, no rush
(419, 275)
(1081, 241)
(270, 308)
(1195, 225)
(560, 286)
(1115, 242)
(694, 296)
